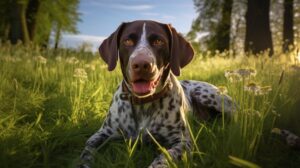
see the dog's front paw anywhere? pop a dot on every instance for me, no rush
(83, 166)
(86, 157)
(159, 162)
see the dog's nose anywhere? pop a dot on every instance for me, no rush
(142, 64)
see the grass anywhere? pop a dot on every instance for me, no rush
(52, 101)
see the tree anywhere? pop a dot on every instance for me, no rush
(288, 24)
(31, 17)
(66, 20)
(206, 22)
(22, 6)
(34, 20)
(215, 21)
(222, 36)
(4, 19)
(258, 34)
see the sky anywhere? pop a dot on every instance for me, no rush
(99, 18)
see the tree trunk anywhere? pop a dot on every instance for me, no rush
(24, 27)
(223, 29)
(288, 23)
(31, 15)
(15, 33)
(57, 36)
(258, 34)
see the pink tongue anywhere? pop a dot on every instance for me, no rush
(141, 87)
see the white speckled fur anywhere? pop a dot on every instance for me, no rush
(163, 118)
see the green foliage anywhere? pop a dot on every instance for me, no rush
(214, 17)
(38, 18)
(51, 102)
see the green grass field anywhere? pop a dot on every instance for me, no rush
(52, 101)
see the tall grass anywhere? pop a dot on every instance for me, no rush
(52, 101)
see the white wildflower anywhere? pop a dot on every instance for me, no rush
(239, 74)
(264, 90)
(90, 66)
(245, 73)
(103, 66)
(41, 59)
(81, 74)
(72, 60)
(257, 90)
(58, 59)
(232, 76)
(253, 88)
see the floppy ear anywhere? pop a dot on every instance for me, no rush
(181, 51)
(109, 48)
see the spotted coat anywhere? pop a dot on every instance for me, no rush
(151, 54)
(164, 119)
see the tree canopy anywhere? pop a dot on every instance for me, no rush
(33, 21)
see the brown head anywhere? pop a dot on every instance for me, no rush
(148, 50)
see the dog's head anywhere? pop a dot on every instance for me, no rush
(147, 51)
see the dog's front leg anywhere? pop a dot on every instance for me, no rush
(108, 130)
(175, 152)
(87, 155)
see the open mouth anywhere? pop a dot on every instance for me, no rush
(143, 87)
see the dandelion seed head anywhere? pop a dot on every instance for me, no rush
(245, 73)
(103, 66)
(72, 60)
(256, 89)
(252, 87)
(90, 66)
(40, 59)
(80, 73)
(232, 76)
(264, 90)
(223, 54)
(228, 73)
(58, 59)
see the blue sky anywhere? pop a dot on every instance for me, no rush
(101, 17)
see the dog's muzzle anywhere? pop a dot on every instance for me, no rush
(143, 73)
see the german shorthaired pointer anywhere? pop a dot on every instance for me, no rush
(150, 101)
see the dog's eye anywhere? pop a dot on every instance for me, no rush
(158, 42)
(128, 42)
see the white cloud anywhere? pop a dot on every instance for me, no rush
(76, 40)
(132, 7)
(122, 6)
(83, 37)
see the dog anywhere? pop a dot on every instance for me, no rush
(150, 101)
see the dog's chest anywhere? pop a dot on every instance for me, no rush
(161, 118)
